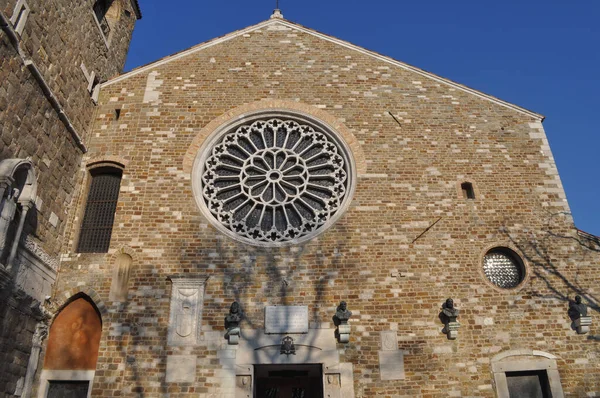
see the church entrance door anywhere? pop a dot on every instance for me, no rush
(288, 381)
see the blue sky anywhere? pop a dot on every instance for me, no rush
(541, 55)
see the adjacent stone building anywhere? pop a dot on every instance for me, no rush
(340, 198)
(53, 55)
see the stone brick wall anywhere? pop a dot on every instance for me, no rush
(18, 319)
(58, 36)
(410, 168)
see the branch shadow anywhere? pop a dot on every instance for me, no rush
(537, 250)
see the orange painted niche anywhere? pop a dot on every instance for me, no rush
(74, 338)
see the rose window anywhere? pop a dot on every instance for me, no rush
(274, 181)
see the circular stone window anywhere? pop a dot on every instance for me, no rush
(273, 180)
(504, 268)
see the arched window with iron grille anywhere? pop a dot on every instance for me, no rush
(97, 224)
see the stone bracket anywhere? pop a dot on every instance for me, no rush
(451, 330)
(582, 324)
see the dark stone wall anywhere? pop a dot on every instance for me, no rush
(17, 325)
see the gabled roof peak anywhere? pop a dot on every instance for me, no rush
(277, 19)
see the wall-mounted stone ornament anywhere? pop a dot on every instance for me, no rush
(187, 300)
(8, 210)
(340, 319)
(287, 346)
(120, 278)
(389, 340)
(232, 324)
(578, 314)
(448, 317)
(391, 359)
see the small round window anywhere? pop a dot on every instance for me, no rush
(504, 268)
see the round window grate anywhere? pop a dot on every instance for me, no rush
(276, 180)
(503, 268)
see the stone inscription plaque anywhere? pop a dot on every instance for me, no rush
(391, 365)
(286, 319)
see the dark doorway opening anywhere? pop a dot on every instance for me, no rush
(68, 389)
(528, 384)
(288, 381)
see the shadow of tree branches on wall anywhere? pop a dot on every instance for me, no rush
(563, 277)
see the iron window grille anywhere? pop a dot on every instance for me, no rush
(504, 268)
(98, 219)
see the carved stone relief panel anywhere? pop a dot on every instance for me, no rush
(389, 340)
(187, 300)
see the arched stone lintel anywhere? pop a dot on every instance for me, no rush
(101, 159)
(522, 352)
(277, 104)
(71, 295)
(123, 250)
(9, 167)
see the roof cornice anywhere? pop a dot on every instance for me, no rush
(332, 39)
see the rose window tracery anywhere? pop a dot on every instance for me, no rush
(274, 181)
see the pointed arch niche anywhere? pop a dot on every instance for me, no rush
(18, 191)
(72, 350)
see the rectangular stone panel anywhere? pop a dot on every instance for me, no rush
(389, 340)
(181, 369)
(391, 365)
(286, 319)
(187, 300)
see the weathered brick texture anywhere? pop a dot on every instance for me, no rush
(58, 36)
(410, 170)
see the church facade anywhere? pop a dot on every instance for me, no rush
(280, 213)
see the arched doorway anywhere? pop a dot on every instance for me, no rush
(72, 351)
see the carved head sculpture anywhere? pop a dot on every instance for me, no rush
(235, 308)
(450, 303)
(15, 194)
(342, 313)
(577, 309)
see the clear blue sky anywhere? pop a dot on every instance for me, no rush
(541, 55)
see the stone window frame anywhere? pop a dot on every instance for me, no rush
(19, 17)
(116, 164)
(304, 117)
(529, 360)
(504, 245)
(109, 21)
(460, 193)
